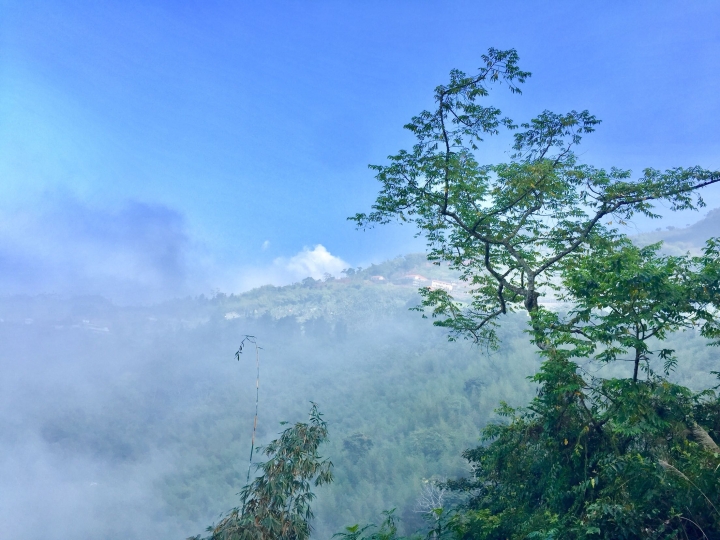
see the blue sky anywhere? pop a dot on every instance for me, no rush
(149, 149)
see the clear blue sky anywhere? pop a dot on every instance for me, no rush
(181, 146)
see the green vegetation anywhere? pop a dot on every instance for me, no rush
(509, 229)
(161, 381)
(590, 457)
(276, 504)
(155, 394)
(596, 459)
(604, 342)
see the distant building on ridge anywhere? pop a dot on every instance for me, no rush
(436, 284)
(416, 279)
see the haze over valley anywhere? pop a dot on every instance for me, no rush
(135, 421)
(439, 224)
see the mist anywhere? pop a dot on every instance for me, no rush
(132, 253)
(134, 421)
(176, 177)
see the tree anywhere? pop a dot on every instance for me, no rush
(607, 458)
(589, 457)
(613, 459)
(276, 504)
(508, 227)
(622, 296)
(357, 445)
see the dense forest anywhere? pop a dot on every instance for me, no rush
(136, 421)
(591, 455)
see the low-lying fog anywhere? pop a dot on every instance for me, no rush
(135, 422)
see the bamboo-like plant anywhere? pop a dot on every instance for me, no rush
(276, 504)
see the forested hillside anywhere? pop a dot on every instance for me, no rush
(138, 420)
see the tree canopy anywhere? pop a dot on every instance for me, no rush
(508, 228)
(590, 457)
(623, 298)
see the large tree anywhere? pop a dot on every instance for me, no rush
(589, 457)
(509, 228)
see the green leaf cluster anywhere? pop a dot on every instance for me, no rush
(276, 504)
(596, 459)
(625, 300)
(510, 228)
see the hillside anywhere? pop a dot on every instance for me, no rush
(680, 240)
(136, 421)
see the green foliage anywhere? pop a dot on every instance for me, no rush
(387, 530)
(623, 296)
(506, 228)
(276, 504)
(606, 459)
(357, 445)
(590, 457)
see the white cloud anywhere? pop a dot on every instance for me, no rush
(131, 253)
(313, 263)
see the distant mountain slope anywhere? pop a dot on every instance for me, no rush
(127, 404)
(681, 240)
(135, 422)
